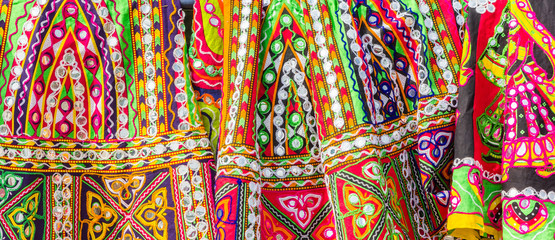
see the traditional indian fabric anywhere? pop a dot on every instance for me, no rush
(337, 118)
(502, 174)
(101, 135)
(206, 59)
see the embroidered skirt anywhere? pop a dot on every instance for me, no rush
(337, 119)
(100, 135)
(504, 145)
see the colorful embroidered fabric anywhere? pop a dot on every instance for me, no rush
(337, 118)
(502, 174)
(329, 119)
(100, 135)
(206, 59)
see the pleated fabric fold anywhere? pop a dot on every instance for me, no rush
(337, 119)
